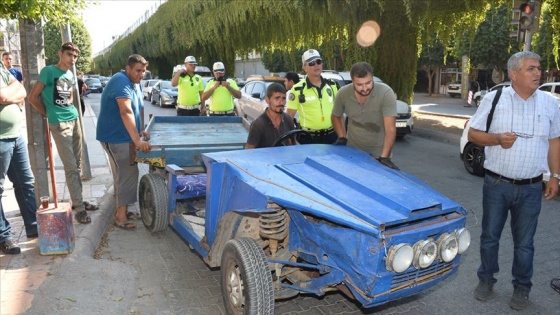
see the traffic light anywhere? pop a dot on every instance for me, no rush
(527, 15)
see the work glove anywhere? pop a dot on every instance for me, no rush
(387, 162)
(341, 141)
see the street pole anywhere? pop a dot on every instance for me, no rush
(31, 39)
(85, 165)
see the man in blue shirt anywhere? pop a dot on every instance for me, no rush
(7, 60)
(120, 129)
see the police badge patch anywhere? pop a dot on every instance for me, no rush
(292, 97)
(329, 91)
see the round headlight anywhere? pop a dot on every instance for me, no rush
(448, 247)
(464, 238)
(425, 252)
(399, 257)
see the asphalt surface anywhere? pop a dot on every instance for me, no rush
(136, 272)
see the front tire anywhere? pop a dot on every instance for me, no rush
(473, 158)
(161, 101)
(153, 202)
(246, 279)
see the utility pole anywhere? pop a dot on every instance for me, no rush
(85, 166)
(31, 39)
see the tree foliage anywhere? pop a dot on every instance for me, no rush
(215, 30)
(547, 41)
(56, 11)
(80, 37)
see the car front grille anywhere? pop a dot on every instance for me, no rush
(417, 276)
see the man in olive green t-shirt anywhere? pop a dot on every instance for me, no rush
(221, 91)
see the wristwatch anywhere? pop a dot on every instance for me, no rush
(555, 175)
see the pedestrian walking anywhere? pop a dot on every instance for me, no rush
(273, 123)
(52, 96)
(371, 110)
(221, 90)
(120, 129)
(190, 88)
(313, 99)
(14, 162)
(521, 143)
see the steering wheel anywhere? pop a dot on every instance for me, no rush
(295, 135)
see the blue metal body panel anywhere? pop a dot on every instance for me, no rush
(180, 140)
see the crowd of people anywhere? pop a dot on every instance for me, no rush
(520, 129)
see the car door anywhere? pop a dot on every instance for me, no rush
(256, 101)
(156, 92)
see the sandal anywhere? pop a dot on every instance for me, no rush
(82, 217)
(125, 225)
(88, 206)
(555, 284)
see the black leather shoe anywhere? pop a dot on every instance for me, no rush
(10, 247)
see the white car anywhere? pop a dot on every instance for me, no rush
(147, 88)
(252, 103)
(454, 89)
(478, 96)
(472, 154)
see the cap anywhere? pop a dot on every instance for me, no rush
(191, 60)
(219, 66)
(310, 55)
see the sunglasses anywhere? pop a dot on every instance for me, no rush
(315, 62)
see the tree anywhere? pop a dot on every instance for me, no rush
(56, 11)
(492, 45)
(80, 37)
(431, 59)
(545, 40)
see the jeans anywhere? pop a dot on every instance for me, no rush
(524, 202)
(68, 138)
(14, 162)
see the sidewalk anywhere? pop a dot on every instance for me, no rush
(22, 275)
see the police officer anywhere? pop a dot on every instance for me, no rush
(190, 90)
(221, 90)
(313, 98)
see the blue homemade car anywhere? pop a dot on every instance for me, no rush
(307, 219)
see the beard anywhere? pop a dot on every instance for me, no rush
(366, 92)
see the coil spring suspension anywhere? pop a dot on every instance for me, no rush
(274, 225)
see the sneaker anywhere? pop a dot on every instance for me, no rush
(10, 247)
(483, 290)
(519, 299)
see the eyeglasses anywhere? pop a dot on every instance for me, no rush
(315, 62)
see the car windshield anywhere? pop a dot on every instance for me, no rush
(90, 81)
(166, 85)
(152, 82)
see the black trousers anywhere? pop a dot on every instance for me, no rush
(188, 112)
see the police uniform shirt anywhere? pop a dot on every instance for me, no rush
(221, 99)
(189, 90)
(313, 104)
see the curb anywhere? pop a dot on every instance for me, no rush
(88, 240)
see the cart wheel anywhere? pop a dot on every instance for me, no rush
(153, 202)
(246, 279)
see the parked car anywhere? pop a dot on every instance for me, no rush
(252, 102)
(147, 88)
(472, 154)
(94, 85)
(553, 88)
(164, 94)
(454, 89)
(104, 81)
(478, 96)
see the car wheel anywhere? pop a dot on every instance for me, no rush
(246, 279)
(473, 158)
(477, 102)
(161, 101)
(153, 202)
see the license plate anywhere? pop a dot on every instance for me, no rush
(401, 124)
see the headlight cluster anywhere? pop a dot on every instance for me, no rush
(423, 253)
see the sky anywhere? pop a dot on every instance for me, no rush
(107, 18)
